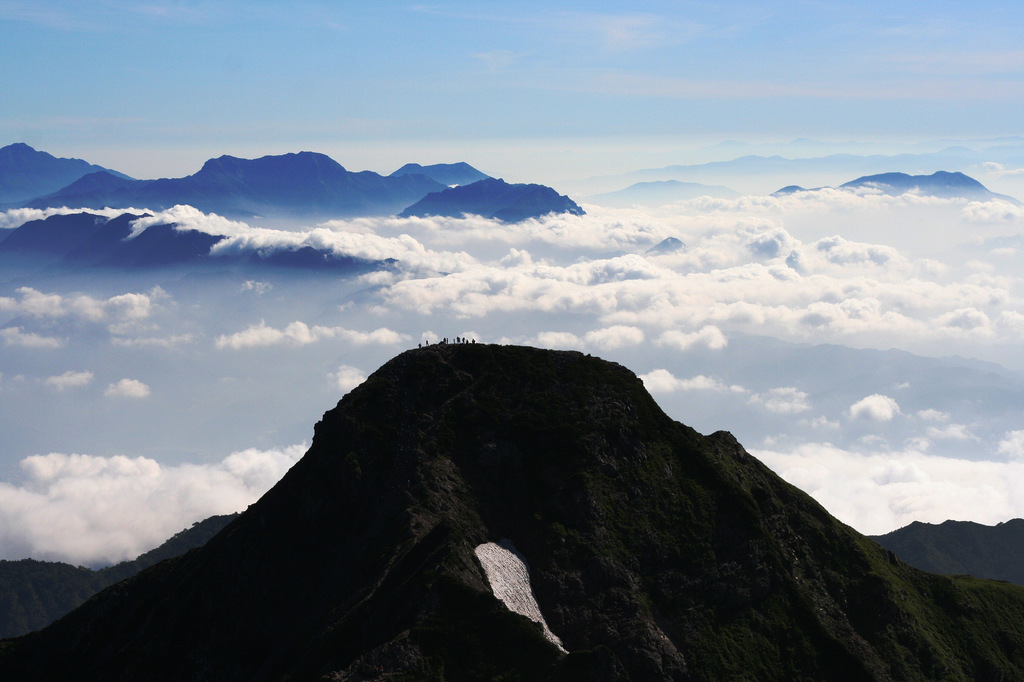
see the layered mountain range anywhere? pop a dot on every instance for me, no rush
(304, 184)
(461, 482)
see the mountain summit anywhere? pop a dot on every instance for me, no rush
(26, 172)
(494, 198)
(460, 478)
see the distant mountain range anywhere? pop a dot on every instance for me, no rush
(962, 548)
(757, 174)
(304, 184)
(33, 593)
(941, 184)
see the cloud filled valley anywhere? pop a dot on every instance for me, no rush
(865, 346)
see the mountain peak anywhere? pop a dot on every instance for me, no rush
(494, 198)
(26, 172)
(939, 183)
(305, 162)
(460, 173)
(652, 552)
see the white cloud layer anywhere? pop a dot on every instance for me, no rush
(123, 307)
(85, 509)
(878, 493)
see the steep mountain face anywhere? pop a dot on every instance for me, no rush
(962, 547)
(27, 173)
(302, 184)
(653, 553)
(494, 198)
(446, 173)
(33, 593)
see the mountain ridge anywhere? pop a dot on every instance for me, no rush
(962, 547)
(300, 184)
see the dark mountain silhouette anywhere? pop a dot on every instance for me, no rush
(27, 173)
(57, 235)
(87, 240)
(90, 240)
(33, 593)
(962, 547)
(302, 184)
(654, 553)
(494, 198)
(446, 173)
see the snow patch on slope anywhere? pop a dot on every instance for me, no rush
(509, 576)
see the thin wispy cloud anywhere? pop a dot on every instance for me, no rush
(16, 336)
(299, 334)
(69, 380)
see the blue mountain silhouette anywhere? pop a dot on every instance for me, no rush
(27, 173)
(494, 198)
(446, 173)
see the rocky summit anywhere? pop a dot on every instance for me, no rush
(480, 512)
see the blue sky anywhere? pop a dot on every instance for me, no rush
(156, 88)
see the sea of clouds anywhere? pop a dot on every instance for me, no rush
(864, 346)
